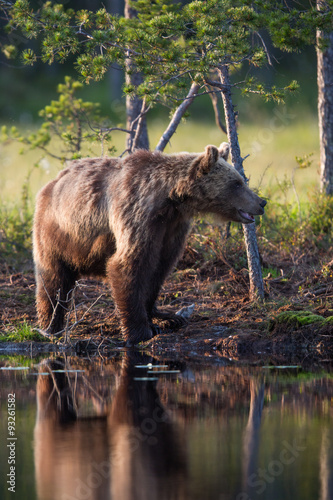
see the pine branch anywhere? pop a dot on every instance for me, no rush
(179, 113)
(218, 120)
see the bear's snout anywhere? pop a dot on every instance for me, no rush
(251, 205)
(262, 205)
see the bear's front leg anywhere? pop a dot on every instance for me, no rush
(128, 284)
(171, 249)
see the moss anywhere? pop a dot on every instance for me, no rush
(297, 319)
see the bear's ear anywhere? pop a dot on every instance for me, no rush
(224, 150)
(200, 166)
(211, 156)
(207, 160)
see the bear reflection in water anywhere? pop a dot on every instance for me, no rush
(130, 450)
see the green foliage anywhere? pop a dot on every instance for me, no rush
(271, 272)
(282, 225)
(22, 332)
(320, 219)
(69, 119)
(304, 161)
(171, 45)
(293, 224)
(10, 51)
(15, 236)
(15, 230)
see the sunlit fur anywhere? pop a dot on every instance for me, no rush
(127, 220)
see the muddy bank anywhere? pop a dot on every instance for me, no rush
(242, 347)
(225, 323)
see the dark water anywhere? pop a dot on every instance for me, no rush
(101, 430)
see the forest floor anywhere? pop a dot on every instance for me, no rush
(294, 322)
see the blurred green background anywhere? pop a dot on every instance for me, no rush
(272, 135)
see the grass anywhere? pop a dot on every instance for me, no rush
(15, 234)
(22, 332)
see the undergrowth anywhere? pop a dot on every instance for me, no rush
(312, 227)
(21, 332)
(294, 242)
(284, 232)
(15, 231)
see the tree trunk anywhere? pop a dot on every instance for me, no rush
(134, 104)
(253, 257)
(325, 108)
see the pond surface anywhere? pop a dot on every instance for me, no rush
(134, 427)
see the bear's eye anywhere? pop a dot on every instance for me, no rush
(237, 184)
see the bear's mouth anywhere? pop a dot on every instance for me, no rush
(246, 216)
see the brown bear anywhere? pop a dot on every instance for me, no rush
(126, 220)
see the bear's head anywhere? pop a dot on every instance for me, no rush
(214, 186)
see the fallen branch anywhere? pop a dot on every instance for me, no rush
(67, 330)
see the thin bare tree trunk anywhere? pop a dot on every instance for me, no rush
(325, 108)
(177, 116)
(134, 104)
(253, 257)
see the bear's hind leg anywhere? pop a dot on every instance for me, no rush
(53, 295)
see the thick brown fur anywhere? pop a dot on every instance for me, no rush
(127, 220)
